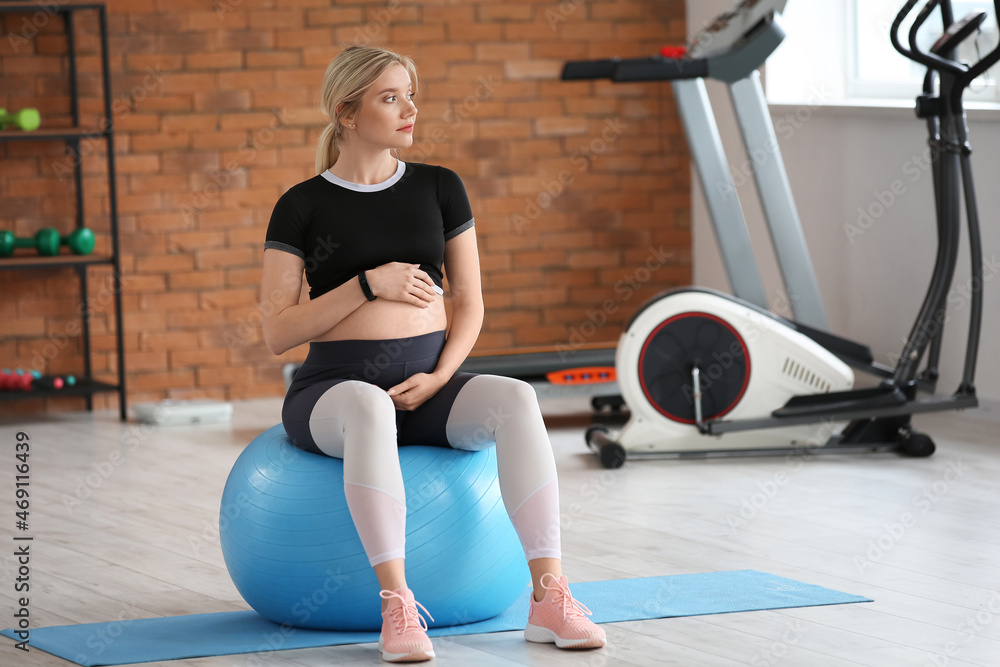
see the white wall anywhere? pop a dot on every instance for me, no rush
(872, 285)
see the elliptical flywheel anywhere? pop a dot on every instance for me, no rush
(675, 347)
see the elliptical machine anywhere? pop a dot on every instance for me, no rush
(694, 363)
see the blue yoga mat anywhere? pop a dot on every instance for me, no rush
(228, 633)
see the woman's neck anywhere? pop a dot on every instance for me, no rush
(368, 171)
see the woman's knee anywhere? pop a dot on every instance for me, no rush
(487, 404)
(368, 401)
(511, 393)
(356, 400)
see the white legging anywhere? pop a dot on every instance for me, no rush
(355, 421)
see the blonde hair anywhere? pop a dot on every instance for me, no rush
(347, 79)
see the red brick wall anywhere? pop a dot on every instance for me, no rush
(576, 186)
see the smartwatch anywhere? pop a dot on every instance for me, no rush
(365, 287)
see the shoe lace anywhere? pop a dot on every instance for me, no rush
(406, 613)
(571, 609)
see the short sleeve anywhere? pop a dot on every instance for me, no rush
(454, 201)
(286, 230)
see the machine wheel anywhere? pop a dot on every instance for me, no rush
(611, 453)
(911, 443)
(678, 345)
(615, 403)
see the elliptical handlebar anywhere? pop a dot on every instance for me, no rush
(952, 167)
(929, 60)
(964, 75)
(894, 31)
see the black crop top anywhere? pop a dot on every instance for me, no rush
(341, 228)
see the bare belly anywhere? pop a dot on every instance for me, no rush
(381, 318)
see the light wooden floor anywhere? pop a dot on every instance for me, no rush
(139, 541)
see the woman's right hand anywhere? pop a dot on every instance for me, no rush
(400, 281)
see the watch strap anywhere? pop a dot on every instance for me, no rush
(365, 287)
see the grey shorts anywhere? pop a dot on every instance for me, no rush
(384, 363)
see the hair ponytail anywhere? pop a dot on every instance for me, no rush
(329, 148)
(347, 79)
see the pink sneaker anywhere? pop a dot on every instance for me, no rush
(561, 619)
(404, 630)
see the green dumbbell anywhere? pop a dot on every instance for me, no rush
(47, 242)
(25, 119)
(80, 241)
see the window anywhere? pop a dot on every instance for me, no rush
(839, 51)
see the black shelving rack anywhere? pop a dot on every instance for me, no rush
(86, 385)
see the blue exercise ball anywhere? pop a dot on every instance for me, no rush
(294, 554)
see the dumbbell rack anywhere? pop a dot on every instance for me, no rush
(86, 385)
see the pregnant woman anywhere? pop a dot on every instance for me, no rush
(372, 235)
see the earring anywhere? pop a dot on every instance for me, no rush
(351, 125)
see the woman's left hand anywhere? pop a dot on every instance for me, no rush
(412, 392)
